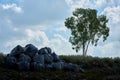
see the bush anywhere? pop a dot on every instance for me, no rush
(91, 62)
(2, 58)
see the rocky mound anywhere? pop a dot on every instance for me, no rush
(30, 58)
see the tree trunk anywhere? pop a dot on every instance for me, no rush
(84, 49)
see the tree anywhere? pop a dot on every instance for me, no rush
(86, 27)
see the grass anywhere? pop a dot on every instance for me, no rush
(95, 69)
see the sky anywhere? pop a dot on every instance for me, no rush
(41, 23)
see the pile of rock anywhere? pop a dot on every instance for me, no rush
(30, 58)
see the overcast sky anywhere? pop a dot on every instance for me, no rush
(41, 22)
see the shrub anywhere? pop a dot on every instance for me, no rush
(2, 58)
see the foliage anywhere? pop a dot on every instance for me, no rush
(90, 62)
(86, 27)
(2, 58)
(96, 68)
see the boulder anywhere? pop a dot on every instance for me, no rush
(23, 58)
(55, 57)
(23, 65)
(49, 66)
(39, 58)
(10, 61)
(48, 58)
(71, 67)
(31, 58)
(43, 51)
(31, 50)
(48, 50)
(37, 66)
(58, 65)
(17, 51)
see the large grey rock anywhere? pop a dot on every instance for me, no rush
(48, 50)
(17, 51)
(43, 51)
(55, 57)
(49, 66)
(71, 67)
(30, 58)
(11, 61)
(39, 58)
(23, 65)
(48, 58)
(24, 58)
(58, 65)
(37, 66)
(31, 50)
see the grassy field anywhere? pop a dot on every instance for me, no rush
(95, 69)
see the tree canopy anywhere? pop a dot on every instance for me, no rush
(86, 27)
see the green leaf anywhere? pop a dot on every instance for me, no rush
(86, 27)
